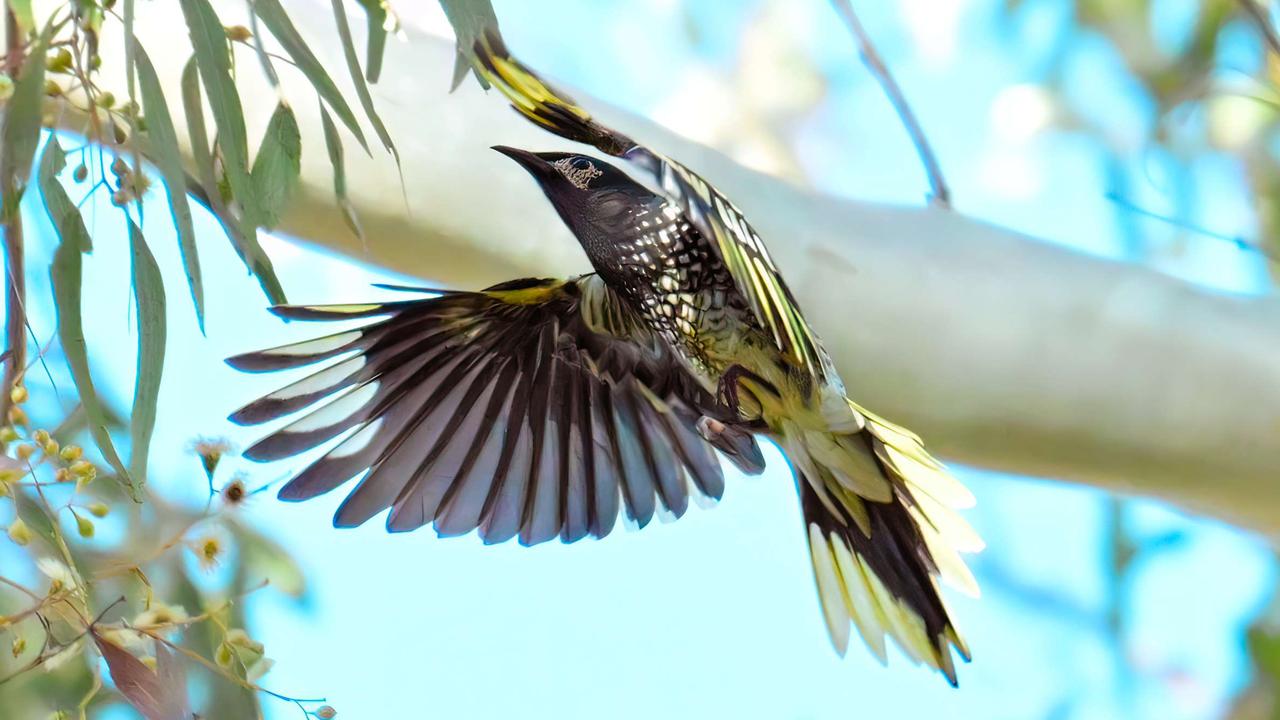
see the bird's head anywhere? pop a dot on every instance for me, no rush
(583, 189)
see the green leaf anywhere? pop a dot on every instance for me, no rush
(278, 165)
(213, 58)
(333, 144)
(357, 78)
(470, 19)
(193, 108)
(163, 138)
(20, 134)
(244, 239)
(148, 294)
(267, 559)
(278, 22)
(22, 12)
(376, 14)
(67, 279)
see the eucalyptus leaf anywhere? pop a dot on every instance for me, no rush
(22, 13)
(20, 134)
(244, 236)
(278, 165)
(163, 138)
(193, 108)
(213, 59)
(357, 78)
(376, 15)
(278, 22)
(148, 294)
(470, 19)
(266, 559)
(333, 143)
(67, 278)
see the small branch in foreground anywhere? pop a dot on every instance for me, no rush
(940, 193)
(15, 325)
(1259, 15)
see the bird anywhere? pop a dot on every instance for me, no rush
(543, 408)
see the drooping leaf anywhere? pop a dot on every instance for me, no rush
(157, 695)
(213, 59)
(244, 236)
(66, 275)
(357, 79)
(268, 67)
(278, 22)
(376, 15)
(193, 108)
(264, 559)
(278, 165)
(470, 19)
(163, 138)
(333, 144)
(148, 294)
(20, 133)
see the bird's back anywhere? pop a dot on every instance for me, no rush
(650, 253)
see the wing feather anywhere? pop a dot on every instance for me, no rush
(535, 409)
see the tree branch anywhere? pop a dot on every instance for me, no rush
(941, 194)
(1003, 351)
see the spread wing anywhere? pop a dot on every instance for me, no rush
(739, 246)
(533, 408)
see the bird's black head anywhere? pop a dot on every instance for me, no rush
(585, 190)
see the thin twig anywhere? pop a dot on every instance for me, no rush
(1259, 15)
(940, 193)
(1237, 240)
(15, 315)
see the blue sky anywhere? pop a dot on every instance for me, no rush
(716, 615)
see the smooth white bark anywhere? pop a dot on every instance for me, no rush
(1002, 351)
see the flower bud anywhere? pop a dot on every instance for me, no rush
(25, 451)
(18, 394)
(18, 646)
(71, 453)
(19, 533)
(17, 416)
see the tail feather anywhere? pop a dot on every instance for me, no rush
(877, 562)
(540, 102)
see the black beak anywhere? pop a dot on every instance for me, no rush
(536, 166)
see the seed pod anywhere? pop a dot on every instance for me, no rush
(81, 173)
(326, 712)
(84, 526)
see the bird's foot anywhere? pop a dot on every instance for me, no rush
(728, 392)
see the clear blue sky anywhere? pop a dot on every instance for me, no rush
(715, 615)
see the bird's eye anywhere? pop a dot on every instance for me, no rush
(582, 164)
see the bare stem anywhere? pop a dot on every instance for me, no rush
(940, 193)
(15, 339)
(1259, 15)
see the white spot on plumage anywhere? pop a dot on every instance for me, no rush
(358, 441)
